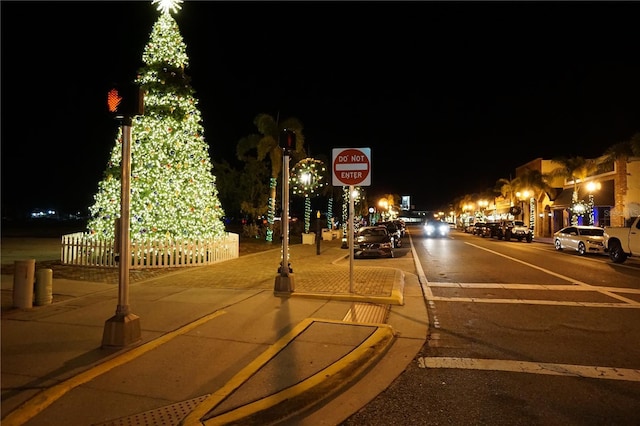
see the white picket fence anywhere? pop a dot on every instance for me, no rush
(79, 249)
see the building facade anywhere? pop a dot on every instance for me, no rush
(609, 196)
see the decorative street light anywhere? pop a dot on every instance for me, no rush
(592, 186)
(483, 204)
(306, 180)
(522, 197)
(384, 206)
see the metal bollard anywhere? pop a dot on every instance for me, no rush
(44, 287)
(23, 283)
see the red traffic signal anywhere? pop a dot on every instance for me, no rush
(125, 101)
(288, 139)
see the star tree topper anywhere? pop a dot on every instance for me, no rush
(168, 6)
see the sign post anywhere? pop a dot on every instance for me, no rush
(351, 166)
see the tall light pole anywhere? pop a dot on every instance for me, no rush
(483, 206)
(284, 284)
(592, 186)
(522, 196)
(384, 208)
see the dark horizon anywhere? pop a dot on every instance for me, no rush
(449, 96)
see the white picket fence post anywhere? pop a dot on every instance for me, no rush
(80, 249)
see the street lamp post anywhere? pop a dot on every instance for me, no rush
(483, 206)
(592, 186)
(522, 196)
(384, 206)
(285, 283)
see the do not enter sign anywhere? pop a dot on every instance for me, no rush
(351, 166)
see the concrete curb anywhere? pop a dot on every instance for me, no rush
(301, 396)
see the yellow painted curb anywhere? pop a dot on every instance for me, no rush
(301, 396)
(39, 402)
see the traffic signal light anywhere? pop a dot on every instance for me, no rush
(125, 101)
(288, 139)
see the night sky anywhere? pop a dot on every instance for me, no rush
(449, 96)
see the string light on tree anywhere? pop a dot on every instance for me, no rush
(345, 214)
(173, 189)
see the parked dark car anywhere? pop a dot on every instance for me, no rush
(478, 228)
(490, 230)
(504, 228)
(373, 241)
(394, 231)
(513, 230)
(468, 228)
(401, 225)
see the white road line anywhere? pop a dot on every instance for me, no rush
(514, 286)
(564, 277)
(586, 371)
(536, 302)
(595, 372)
(608, 291)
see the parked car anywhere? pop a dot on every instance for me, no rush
(435, 228)
(623, 241)
(478, 228)
(468, 228)
(373, 241)
(503, 229)
(520, 231)
(581, 238)
(394, 231)
(490, 230)
(401, 225)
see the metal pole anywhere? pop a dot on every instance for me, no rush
(124, 327)
(350, 230)
(318, 232)
(284, 284)
(125, 245)
(285, 215)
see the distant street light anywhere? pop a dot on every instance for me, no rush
(384, 206)
(483, 204)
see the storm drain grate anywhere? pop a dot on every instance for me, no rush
(367, 313)
(171, 415)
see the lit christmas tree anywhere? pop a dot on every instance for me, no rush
(173, 191)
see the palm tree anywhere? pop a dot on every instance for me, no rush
(463, 204)
(535, 181)
(575, 169)
(507, 188)
(267, 144)
(618, 154)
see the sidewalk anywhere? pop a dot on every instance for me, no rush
(218, 344)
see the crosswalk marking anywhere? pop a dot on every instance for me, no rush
(587, 371)
(608, 291)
